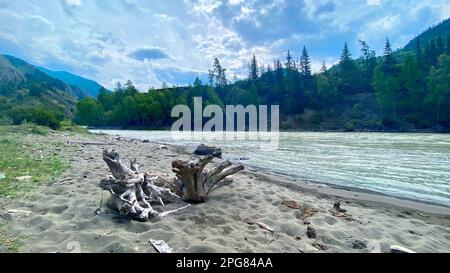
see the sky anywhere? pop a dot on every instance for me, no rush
(151, 41)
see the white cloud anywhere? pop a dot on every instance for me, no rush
(96, 40)
(388, 22)
(74, 2)
(373, 2)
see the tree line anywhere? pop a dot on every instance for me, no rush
(403, 90)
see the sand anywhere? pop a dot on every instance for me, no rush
(60, 216)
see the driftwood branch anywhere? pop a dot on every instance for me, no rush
(196, 182)
(90, 143)
(133, 192)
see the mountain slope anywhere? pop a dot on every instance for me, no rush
(32, 73)
(90, 87)
(24, 87)
(442, 29)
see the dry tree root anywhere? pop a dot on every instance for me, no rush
(196, 183)
(133, 191)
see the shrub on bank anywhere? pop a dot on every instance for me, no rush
(36, 114)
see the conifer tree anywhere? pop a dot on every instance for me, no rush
(388, 58)
(289, 62)
(345, 56)
(348, 73)
(219, 74)
(369, 62)
(253, 69)
(323, 68)
(305, 64)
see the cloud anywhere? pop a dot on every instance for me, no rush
(108, 41)
(179, 76)
(152, 53)
(373, 2)
(326, 8)
(74, 2)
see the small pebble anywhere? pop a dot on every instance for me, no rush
(311, 232)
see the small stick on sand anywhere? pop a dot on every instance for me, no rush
(261, 225)
(89, 143)
(271, 240)
(66, 179)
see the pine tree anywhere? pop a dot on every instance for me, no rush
(253, 69)
(289, 84)
(345, 56)
(348, 73)
(305, 64)
(211, 77)
(197, 82)
(323, 68)
(369, 62)
(387, 48)
(289, 62)
(219, 74)
(388, 61)
(367, 53)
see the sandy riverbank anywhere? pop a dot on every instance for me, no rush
(60, 215)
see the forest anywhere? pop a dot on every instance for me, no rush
(403, 90)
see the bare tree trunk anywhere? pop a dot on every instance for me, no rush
(196, 183)
(132, 191)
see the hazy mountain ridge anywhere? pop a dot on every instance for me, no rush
(27, 73)
(89, 87)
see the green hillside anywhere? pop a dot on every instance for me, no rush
(27, 94)
(431, 34)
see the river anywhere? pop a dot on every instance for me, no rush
(411, 166)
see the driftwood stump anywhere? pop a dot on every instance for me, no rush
(196, 183)
(132, 191)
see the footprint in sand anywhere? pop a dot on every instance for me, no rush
(329, 220)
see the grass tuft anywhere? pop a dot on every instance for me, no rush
(19, 158)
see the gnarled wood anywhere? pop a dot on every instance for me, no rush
(196, 183)
(132, 191)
